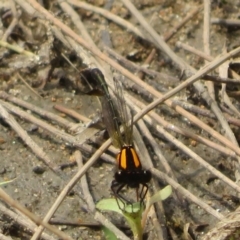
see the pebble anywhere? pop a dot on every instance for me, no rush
(38, 170)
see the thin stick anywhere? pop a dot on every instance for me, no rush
(226, 22)
(204, 112)
(172, 32)
(136, 105)
(194, 51)
(18, 49)
(71, 113)
(6, 198)
(27, 85)
(196, 157)
(206, 41)
(105, 13)
(13, 23)
(35, 109)
(75, 179)
(187, 194)
(60, 199)
(167, 36)
(155, 185)
(75, 141)
(26, 139)
(84, 184)
(22, 220)
(133, 67)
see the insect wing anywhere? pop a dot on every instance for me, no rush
(109, 112)
(126, 117)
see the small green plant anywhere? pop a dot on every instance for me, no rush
(135, 214)
(6, 182)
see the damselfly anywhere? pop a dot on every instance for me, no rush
(115, 113)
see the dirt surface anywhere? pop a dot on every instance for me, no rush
(51, 81)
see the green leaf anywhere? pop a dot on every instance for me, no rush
(161, 195)
(109, 204)
(132, 213)
(134, 221)
(109, 235)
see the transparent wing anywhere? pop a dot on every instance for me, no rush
(126, 117)
(110, 113)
